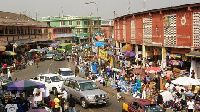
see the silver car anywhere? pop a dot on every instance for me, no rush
(85, 91)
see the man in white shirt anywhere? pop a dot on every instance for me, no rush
(64, 93)
(11, 107)
(190, 105)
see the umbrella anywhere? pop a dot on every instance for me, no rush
(167, 96)
(33, 50)
(153, 69)
(9, 53)
(127, 47)
(23, 85)
(129, 54)
(186, 81)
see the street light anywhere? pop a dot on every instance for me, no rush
(95, 4)
(97, 11)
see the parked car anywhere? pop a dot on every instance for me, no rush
(66, 73)
(85, 91)
(59, 56)
(52, 81)
(50, 54)
(144, 104)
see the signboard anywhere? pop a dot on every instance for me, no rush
(99, 39)
(103, 54)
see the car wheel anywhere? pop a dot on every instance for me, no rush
(55, 92)
(84, 103)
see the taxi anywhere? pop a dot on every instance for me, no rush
(141, 105)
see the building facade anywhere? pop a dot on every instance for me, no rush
(83, 27)
(160, 34)
(20, 30)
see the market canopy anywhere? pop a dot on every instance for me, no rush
(193, 54)
(186, 81)
(167, 96)
(23, 85)
(153, 69)
(127, 47)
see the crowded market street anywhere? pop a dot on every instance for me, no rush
(51, 66)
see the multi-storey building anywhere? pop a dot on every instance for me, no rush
(107, 29)
(83, 27)
(161, 34)
(21, 30)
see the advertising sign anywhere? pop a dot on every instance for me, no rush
(103, 54)
(99, 39)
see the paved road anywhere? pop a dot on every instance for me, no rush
(51, 66)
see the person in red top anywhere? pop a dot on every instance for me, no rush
(73, 59)
(5, 68)
(37, 61)
(52, 104)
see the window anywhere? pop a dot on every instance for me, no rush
(85, 31)
(134, 105)
(77, 22)
(41, 78)
(71, 84)
(85, 22)
(1, 31)
(66, 83)
(18, 31)
(70, 22)
(47, 79)
(62, 23)
(76, 86)
(78, 31)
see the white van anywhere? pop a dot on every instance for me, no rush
(66, 73)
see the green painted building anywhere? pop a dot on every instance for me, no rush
(83, 27)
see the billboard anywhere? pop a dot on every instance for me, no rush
(98, 39)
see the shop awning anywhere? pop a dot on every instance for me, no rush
(2, 48)
(193, 54)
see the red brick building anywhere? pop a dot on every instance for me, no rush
(160, 34)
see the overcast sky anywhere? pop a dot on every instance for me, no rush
(78, 7)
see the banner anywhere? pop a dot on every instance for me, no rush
(98, 39)
(103, 54)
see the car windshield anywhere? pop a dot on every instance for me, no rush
(88, 86)
(67, 73)
(58, 55)
(153, 108)
(56, 78)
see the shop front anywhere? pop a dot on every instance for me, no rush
(195, 62)
(176, 58)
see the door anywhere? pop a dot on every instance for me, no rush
(71, 88)
(76, 93)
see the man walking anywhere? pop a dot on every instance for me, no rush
(71, 101)
(76, 71)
